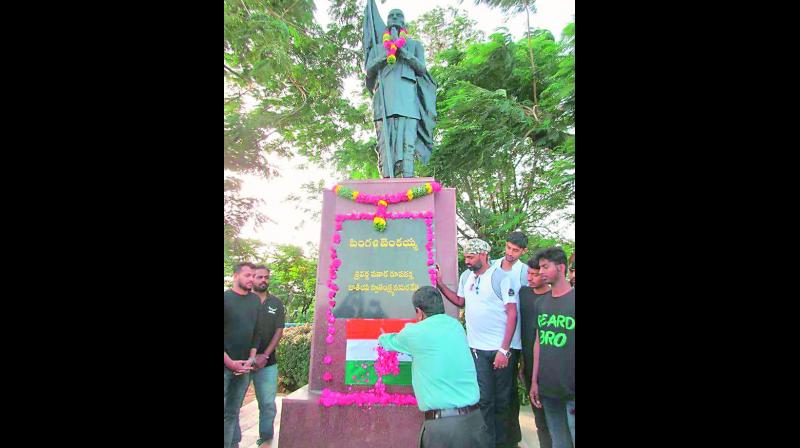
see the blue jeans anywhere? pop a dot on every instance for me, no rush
(571, 419)
(560, 421)
(265, 382)
(235, 390)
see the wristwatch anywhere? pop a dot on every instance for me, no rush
(505, 353)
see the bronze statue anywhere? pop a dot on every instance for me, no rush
(404, 94)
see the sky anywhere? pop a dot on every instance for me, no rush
(551, 14)
(285, 226)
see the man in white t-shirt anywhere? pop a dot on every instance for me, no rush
(517, 271)
(490, 307)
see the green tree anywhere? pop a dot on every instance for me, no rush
(238, 250)
(442, 29)
(293, 278)
(517, 6)
(505, 135)
(513, 166)
(283, 92)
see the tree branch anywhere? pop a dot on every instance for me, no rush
(463, 233)
(530, 53)
(246, 9)
(300, 88)
(234, 72)
(287, 9)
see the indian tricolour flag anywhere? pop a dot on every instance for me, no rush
(362, 341)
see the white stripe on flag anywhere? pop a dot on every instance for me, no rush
(365, 350)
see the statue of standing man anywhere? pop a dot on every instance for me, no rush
(403, 93)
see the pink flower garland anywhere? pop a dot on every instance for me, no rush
(383, 201)
(392, 46)
(330, 398)
(396, 198)
(386, 364)
(387, 361)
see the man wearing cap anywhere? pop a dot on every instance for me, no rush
(490, 307)
(442, 374)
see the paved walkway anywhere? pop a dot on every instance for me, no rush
(249, 420)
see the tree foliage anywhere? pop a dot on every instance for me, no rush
(284, 96)
(511, 161)
(505, 136)
(510, 6)
(293, 278)
(442, 29)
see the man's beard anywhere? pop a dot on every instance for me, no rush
(244, 286)
(261, 288)
(476, 267)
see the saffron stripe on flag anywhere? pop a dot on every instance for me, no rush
(356, 374)
(371, 328)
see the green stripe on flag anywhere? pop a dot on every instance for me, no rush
(369, 377)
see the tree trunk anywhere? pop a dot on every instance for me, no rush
(530, 53)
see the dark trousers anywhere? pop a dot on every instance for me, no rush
(496, 387)
(513, 431)
(542, 431)
(460, 431)
(541, 427)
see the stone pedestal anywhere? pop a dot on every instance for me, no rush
(305, 422)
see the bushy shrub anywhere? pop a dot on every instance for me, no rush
(522, 393)
(294, 353)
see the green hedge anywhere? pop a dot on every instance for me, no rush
(294, 353)
(522, 393)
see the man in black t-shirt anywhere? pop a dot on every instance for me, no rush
(241, 340)
(265, 369)
(528, 297)
(553, 382)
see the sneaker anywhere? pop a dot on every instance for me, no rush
(264, 443)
